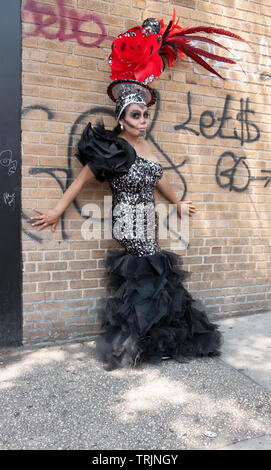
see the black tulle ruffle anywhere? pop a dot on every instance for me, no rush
(151, 314)
(106, 154)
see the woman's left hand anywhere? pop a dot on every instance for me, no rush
(191, 208)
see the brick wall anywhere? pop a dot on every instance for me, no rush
(216, 133)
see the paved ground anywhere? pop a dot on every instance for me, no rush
(59, 397)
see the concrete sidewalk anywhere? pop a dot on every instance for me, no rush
(59, 397)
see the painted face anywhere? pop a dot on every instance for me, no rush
(136, 119)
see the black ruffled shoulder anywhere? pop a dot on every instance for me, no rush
(106, 154)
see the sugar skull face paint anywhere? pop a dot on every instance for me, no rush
(136, 119)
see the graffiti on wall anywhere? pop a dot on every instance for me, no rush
(228, 168)
(210, 126)
(9, 167)
(68, 22)
(68, 171)
(7, 162)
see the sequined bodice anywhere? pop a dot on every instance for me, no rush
(134, 221)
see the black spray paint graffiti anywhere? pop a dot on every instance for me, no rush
(249, 131)
(231, 173)
(266, 178)
(211, 127)
(68, 171)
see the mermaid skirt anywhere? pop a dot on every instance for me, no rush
(151, 315)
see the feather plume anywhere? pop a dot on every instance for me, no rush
(176, 42)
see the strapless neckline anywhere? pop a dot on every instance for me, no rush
(149, 160)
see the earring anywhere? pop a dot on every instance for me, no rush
(121, 127)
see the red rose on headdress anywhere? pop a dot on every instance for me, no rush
(141, 53)
(135, 56)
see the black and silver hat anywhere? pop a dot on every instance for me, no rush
(124, 92)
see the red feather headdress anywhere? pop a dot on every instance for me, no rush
(142, 52)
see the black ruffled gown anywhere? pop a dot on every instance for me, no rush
(151, 315)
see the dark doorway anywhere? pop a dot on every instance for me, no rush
(10, 175)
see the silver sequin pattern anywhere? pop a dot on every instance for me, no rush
(152, 25)
(134, 220)
(128, 93)
(124, 101)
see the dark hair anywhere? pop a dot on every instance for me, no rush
(117, 129)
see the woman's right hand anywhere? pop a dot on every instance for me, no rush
(44, 219)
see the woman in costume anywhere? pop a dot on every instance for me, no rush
(150, 316)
